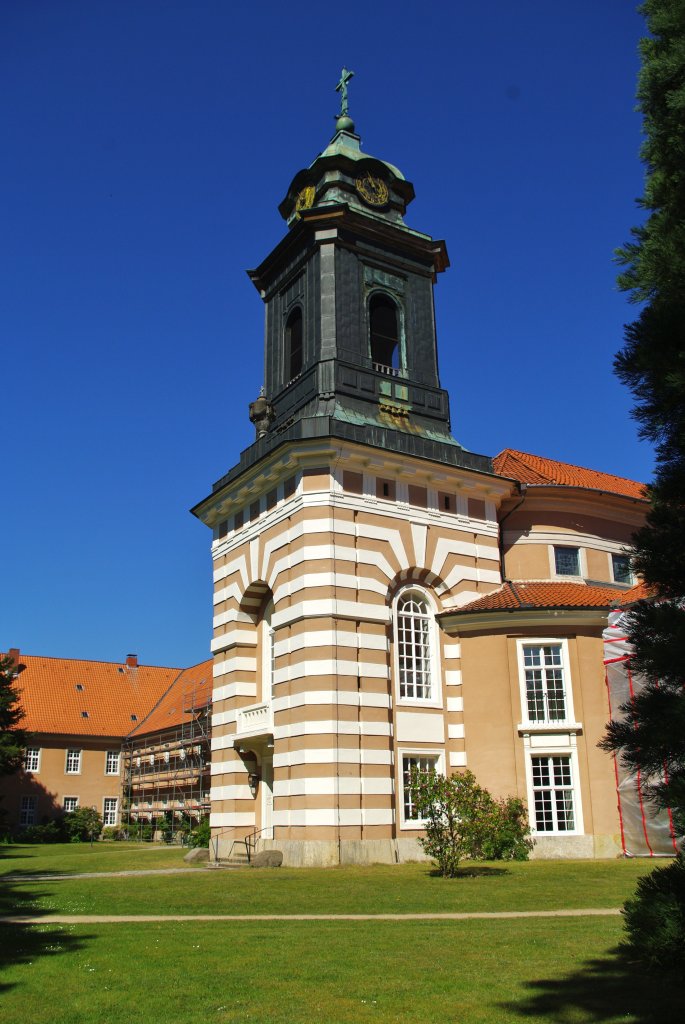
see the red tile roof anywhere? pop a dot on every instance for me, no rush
(522, 595)
(190, 692)
(533, 469)
(55, 693)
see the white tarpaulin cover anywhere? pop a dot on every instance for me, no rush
(645, 832)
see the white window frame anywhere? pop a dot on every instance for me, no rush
(107, 812)
(32, 753)
(69, 810)
(547, 725)
(67, 769)
(621, 583)
(582, 561)
(435, 753)
(27, 811)
(568, 752)
(435, 700)
(112, 754)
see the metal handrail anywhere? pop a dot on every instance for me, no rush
(249, 841)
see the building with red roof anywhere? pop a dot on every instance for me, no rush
(78, 715)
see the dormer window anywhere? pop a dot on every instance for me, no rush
(293, 344)
(384, 334)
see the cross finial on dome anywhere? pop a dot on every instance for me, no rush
(343, 121)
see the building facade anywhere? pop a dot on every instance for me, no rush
(353, 542)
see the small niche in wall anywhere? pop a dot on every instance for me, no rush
(418, 496)
(476, 508)
(353, 483)
(385, 489)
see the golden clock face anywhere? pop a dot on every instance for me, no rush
(305, 198)
(373, 190)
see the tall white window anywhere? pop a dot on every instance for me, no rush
(109, 816)
(69, 803)
(414, 636)
(553, 793)
(27, 810)
(112, 762)
(424, 763)
(73, 762)
(545, 684)
(32, 759)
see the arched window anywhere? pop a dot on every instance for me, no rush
(414, 637)
(384, 333)
(293, 344)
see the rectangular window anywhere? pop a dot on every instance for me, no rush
(73, 762)
(69, 803)
(424, 763)
(109, 816)
(385, 489)
(567, 561)
(112, 762)
(553, 794)
(543, 668)
(620, 567)
(32, 759)
(27, 811)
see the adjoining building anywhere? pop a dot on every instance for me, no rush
(79, 715)
(167, 756)
(383, 597)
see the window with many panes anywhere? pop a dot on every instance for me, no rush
(566, 561)
(27, 811)
(112, 762)
(552, 778)
(620, 567)
(70, 803)
(73, 762)
(32, 759)
(424, 763)
(414, 637)
(109, 816)
(545, 697)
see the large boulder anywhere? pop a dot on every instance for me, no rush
(267, 859)
(196, 856)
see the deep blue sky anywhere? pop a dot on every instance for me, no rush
(146, 146)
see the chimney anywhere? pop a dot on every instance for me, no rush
(13, 655)
(131, 661)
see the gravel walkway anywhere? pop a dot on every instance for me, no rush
(145, 918)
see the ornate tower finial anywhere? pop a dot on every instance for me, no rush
(343, 121)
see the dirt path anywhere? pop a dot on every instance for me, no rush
(146, 918)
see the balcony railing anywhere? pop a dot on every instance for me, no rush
(255, 720)
(389, 371)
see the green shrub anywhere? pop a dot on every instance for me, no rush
(462, 820)
(200, 835)
(48, 832)
(655, 918)
(506, 832)
(82, 824)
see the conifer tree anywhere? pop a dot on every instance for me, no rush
(12, 738)
(652, 365)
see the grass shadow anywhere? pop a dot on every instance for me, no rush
(25, 943)
(473, 871)
(610, 988)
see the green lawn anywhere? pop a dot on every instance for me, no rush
(551, 971)
(80, 857)
(406, 888)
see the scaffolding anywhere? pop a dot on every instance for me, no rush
(645, 831)
(167, 771)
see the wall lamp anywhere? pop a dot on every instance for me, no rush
(253, 780)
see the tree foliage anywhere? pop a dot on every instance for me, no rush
(462, 820)
(13, 739)
(652, 365)
(82, 824)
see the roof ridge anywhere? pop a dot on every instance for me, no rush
(96, 661)
(574, 465)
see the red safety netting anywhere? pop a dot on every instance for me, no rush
(645, 831)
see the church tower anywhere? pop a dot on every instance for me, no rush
(346, 529)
